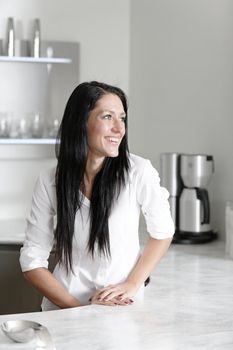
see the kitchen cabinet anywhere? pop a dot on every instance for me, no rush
(16, 294)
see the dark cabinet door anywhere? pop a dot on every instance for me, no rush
(16, 294)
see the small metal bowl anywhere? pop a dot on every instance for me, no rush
(22, 331)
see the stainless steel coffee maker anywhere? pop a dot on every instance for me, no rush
(186, 176)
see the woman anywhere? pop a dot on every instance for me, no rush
(96, 191)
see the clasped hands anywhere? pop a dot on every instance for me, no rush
(113, 295)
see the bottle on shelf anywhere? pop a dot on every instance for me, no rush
(10, 38)
(36, 42)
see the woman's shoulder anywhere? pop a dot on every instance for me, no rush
(139, 165)
(138, 162)
(47, 176)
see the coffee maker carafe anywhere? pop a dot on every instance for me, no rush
(192, 212)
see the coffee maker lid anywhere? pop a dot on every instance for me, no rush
(207, 156)
(196, 169)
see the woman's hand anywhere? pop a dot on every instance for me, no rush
(95, 299)
(118, 294)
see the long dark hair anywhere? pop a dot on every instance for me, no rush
(71, 151)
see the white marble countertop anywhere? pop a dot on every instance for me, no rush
(12, 231)
(188, 305)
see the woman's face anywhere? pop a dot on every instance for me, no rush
(106, 127)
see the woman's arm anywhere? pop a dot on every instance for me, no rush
(39, 242)
(43, 280)
(152, 253)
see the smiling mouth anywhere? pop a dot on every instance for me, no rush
(113, 140)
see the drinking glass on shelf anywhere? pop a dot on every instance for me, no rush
(36, 124)
(14, 128)
(20, 127)
(23, 126)
(53, 127)
(4, 125)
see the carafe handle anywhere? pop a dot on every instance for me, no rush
(203, 196)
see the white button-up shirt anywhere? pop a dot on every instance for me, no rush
(142, 193)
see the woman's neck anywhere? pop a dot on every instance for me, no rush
(93, 166)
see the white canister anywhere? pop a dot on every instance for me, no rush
(1, 47)
(229, 228)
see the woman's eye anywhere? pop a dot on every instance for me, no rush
(107, 116)
(123, 119)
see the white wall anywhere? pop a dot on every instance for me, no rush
(102, 30)
(181, 85)
(101, 27)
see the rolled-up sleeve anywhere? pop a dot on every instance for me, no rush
(155, 207)
(39, 238)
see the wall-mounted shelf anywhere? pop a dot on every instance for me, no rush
(9, 141)
(45, 60)
(28, 84)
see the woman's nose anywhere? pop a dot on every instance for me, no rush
(118, 125)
